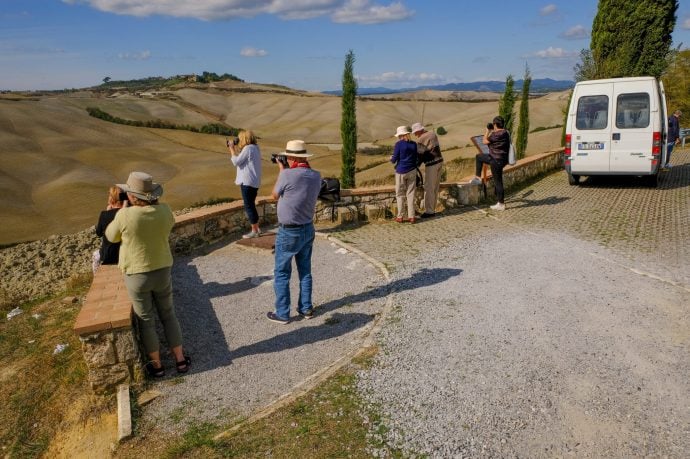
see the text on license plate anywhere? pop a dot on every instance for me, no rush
(590, 146)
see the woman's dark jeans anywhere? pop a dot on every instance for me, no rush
(496, 172)
(249, 198)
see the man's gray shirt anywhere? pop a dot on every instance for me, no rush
(298, 189)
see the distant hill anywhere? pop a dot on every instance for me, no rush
(542, 85)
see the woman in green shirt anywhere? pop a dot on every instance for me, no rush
(143, 229)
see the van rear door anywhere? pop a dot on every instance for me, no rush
(635, 105)
(591, 132)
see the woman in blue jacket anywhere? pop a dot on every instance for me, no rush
(405, 160)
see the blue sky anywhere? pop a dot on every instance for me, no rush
(56, 44)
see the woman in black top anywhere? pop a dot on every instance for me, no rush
(109, 251)
(498, 140)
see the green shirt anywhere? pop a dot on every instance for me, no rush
(144, 233)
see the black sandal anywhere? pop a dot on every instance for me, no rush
(153, 371)
(183, 366)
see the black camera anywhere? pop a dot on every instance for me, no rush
(279, 158)
(235, 141)
(122, 196)
(490, 126)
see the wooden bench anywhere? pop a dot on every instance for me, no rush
(683, 134)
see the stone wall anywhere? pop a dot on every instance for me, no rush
(227, 221)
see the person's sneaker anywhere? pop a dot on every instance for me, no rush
(476, 181)
(498, 206)
(426, 215)
(274, 318)
(399, 219)
(667, 166)
(412, 220)
(251, 235)
(307, 315)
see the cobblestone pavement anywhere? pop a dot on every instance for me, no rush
(647, 227)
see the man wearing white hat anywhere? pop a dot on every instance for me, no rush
(296, 190)
(429, 151)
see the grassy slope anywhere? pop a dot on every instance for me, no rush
(57, 162)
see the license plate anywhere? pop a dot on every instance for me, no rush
(590, 146)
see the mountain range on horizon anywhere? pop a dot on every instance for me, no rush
(541, 85)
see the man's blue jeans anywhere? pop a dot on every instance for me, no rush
(669, 150)
(298, 243)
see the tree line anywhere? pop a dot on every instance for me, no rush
(210, 128)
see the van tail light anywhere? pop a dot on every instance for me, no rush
(568, 148)
(656, 143)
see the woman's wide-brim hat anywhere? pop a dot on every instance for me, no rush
(297, 148)
(141, 185)
(402, 130)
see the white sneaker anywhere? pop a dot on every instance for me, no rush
(498, 206)
(667, 166)
(476, 181)
(251, 235)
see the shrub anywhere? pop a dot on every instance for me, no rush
(441, 130)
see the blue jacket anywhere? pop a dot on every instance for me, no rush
(404, 156)
(673, 129)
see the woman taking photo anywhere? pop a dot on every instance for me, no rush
(246, 156)
(143, 228)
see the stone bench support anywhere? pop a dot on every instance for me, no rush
(107, 333)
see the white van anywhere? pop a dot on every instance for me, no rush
(616, 126)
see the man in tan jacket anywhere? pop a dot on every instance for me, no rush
(429, 152)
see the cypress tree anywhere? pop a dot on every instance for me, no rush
(348, 124)
(632, 37)
(506, 104)
(523, 126)
(677, 81)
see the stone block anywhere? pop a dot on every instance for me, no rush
(99, 351)
(469, 194)
(126, 349)
(346, 215)
(105, 380)
(374, 212)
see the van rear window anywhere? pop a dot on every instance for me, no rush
(592, 112)
(632, 110)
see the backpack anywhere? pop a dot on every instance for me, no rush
(330, 190)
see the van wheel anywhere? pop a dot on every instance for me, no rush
(573, 179)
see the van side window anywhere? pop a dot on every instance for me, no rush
(632, 110)
(592, 112)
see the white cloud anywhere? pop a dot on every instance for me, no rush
(401, 79)
(140, 56)
(363, 12)
(553, 53)
(686, 23)
(248, 51)
(577, 32)
(548, 10)
(343, 11)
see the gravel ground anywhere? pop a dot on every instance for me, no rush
(532, 345)
(241, 361)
